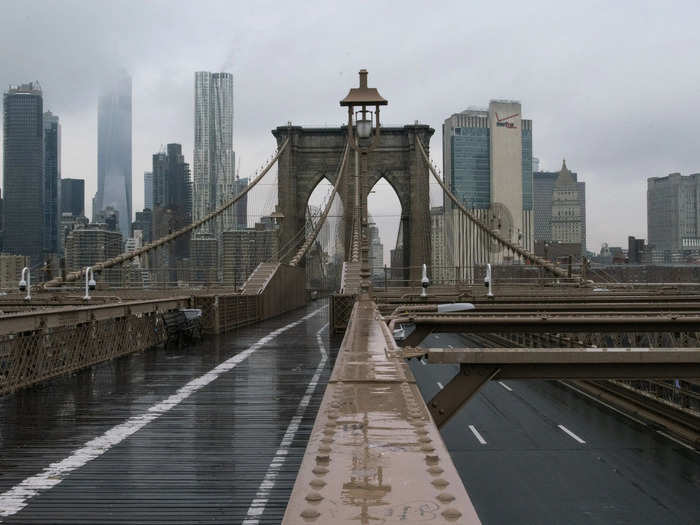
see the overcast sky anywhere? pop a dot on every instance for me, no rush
(612, 86)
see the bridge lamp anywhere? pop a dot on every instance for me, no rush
(358, 101)
(90, 283)
(25, 283)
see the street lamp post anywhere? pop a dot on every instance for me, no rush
(25, 283)
(90, 283)
(360, 124)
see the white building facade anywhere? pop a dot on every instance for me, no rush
(214, 159)
(487, 156)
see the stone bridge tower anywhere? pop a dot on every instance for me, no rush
(315, 153)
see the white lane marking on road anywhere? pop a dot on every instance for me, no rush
(572, 434)
(257, 507)
(478, 436)
(15, 499)
(450, 346)
(422, 361)
(437, 336)
(440, 385)
(505, 386)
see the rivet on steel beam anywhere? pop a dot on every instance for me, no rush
(440, 483)
(445, 497)
(310, 514)
(317, 483)
(451, 514)
(314, 497)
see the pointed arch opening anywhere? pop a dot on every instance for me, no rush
(385, 232)
(324, 262)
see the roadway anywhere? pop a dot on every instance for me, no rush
(538, 452)
(211, 432)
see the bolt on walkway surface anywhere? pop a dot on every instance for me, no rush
(211, 432)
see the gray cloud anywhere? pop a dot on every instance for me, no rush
(613, 88)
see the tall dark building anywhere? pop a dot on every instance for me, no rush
(143, 222)
(52, 185)
(23, 154)
(114, 150)
(240, 209)
(172, 202)
(73, 197)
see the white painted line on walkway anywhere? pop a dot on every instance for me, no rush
(505, 386)
(478, 436)
(15, 499)
(257, 507)
(572, 434)
(440, 385)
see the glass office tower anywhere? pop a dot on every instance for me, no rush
(23, 161)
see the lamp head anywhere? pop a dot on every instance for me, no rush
(92, 284)
(364, 128)
(22, 285)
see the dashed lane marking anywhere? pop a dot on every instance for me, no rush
(257, 507)
(571, 434)
(478, 436)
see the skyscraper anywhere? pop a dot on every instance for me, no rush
(172, 203)
(23, 161)
(52, 182)
(567, 216)
(114, 150)
(73, 197)
(551, 216)
(673, 214)
(240, 209)
(148, 190)
(214, 180)
(487, 156)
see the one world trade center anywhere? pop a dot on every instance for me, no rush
(114, 150)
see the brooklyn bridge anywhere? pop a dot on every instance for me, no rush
(371, 398)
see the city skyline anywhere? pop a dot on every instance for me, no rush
(611, 122)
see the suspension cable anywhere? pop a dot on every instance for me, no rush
(127, 256)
